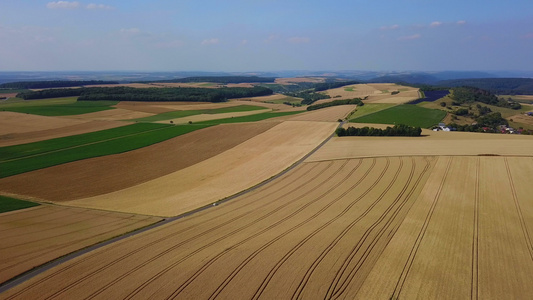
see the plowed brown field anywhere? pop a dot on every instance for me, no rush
(106, 174)
(12, 122)
(32, 237)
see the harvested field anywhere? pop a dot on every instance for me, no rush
(110, 173)
(522, 118)
(402, 97)
(245, 165)
(148, 107)
(434, 143)
(323, 225)
(34, 236)
(41, 135)
(116, 114)
(328, 114)
(351, 91)
(273, 106)
(209, 117)
(13, 122)
(370, 228)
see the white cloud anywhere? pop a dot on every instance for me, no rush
(410, 37)
(435, 24)
(298, 40)
(94, 6)
(63, 4)
(393, 27)
(244, 42)
(461, 22)
(212, 41)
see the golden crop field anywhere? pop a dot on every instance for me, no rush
(370, 228)
(34, 236)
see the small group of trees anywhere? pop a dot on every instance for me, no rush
(463, 95)
(488, 122)
(149, 94)
(309, 97)
(356, 101)
(396, 130)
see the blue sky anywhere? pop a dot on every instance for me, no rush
(266, 35)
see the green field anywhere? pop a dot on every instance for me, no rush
(186, 113)
(251, 118)
(292, 100)
(37, 148)
(349, 89)
(407, 114)
(10, 204)
(56, 106)
(106, 146)
(370, 108)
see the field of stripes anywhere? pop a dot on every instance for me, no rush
(368, 228)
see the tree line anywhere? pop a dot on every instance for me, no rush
(396, 130)
(149, 94)
(356, 101)
(52, 84)
(218, 79)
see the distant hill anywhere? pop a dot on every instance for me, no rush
(221, 79)
(499, 86)
(428, 77)
(52, 84)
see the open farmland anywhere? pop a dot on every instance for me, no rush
(328, 114)
(34, 236)
(244, 165)
(411, 115)
(105, 174)
(365, 228)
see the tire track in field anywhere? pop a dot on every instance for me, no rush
(175, 246)
(273, 271)
(37, 210)
(62, 246)
(408, 264)
(213, 259)
(73, 223)
(475, 238)
(332, 290)
(527, 236)
(164, 238)
(286, 256)
(389, 224)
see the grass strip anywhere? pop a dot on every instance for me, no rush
(107, 147)
(36, 148)
(186, 113)
(10, 204)
(406, 114)
(250, 118)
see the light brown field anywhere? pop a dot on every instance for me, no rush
(41, 135)
(106, 174)
(402, 97)
(34, 236)
(209, 117)
(522, 118)
(374, 93)
(435, 143)
(273, 106)
(111, 115)
(12, 122)
(328, 114)
(223, 175)
(359, 91)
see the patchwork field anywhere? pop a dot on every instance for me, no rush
(87, 178)
(328, 114)
(34, 236)
(244, 166)
(370, 228)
